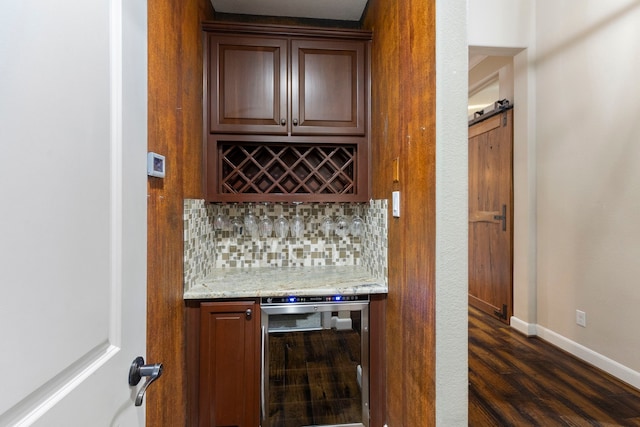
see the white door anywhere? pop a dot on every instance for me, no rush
(73, 136)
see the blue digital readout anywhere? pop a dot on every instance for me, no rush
(293, 299)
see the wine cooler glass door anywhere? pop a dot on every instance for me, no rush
(315, 365)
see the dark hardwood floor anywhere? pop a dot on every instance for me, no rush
(520, 381)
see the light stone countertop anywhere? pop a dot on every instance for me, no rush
(285, 281)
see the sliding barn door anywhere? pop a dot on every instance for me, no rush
(491, 215)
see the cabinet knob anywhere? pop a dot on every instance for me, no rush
(283, 122)
(248, 313)
(295, 122)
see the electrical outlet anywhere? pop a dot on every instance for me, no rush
(581, 318)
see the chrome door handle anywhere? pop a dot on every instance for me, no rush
(138, 370)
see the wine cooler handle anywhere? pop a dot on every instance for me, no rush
(264, 373)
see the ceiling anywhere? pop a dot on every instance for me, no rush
(343, 10)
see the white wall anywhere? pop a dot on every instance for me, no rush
(451, 215)
(500, 23)
(582, 188)
(588, 150)
(507, 28)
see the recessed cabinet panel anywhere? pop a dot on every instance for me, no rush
(229, 364)
(248, 85)
(327, 86)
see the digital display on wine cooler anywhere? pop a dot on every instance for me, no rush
(294, 299)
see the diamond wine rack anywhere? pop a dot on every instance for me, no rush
(278, 169)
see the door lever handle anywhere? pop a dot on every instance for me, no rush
(138, 370)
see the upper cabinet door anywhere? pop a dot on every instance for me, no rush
(247, 80)
(328, 87)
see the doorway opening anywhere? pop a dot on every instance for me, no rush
(491, 184)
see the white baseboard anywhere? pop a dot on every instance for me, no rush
(528, 329)
(598, 360)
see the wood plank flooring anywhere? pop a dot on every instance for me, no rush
(520, 381)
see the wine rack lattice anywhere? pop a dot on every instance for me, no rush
(248, 168)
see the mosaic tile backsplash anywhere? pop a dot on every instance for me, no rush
(207, 248)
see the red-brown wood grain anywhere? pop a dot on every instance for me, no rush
(307, 101)
(403, 128)
(175, 131)
(229, 364)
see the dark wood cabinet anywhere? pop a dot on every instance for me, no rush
(328, 87)
(266, 168)
(282, 86)
(224, 362)
(301, 96)
(229, 379)
(247, 84)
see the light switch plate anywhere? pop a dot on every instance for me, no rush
(395, 204)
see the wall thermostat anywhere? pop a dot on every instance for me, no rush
(155, 165)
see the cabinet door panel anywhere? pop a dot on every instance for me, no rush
(229, 364)
(248, 85)
(328, 87)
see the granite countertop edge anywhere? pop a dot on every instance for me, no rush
(286, 281)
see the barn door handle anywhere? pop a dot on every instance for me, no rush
(502, 217)
(501, 314)
(138, 370)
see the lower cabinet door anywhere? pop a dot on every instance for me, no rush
(229, 364)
